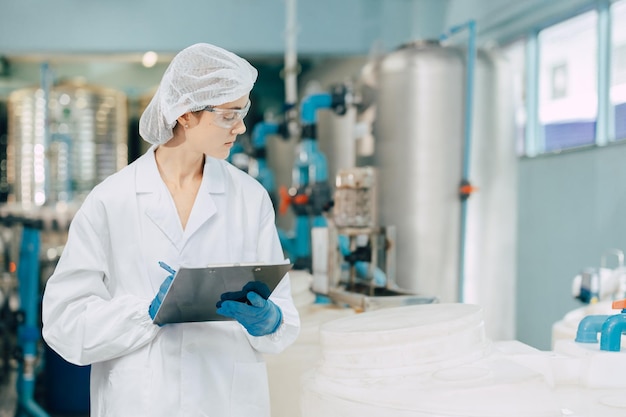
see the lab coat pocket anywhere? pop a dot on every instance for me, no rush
(250, 391)
(127, 393)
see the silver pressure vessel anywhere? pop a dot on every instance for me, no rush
(419, 151)
(420, 132)
(61, 144)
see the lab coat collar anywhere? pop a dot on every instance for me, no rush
(149, 180)
(162, 211)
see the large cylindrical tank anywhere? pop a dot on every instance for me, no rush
(419, 151)
(61, 144)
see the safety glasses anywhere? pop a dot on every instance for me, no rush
(228, 118)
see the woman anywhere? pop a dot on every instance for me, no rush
(183, 205)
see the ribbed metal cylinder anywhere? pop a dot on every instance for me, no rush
(63, 144)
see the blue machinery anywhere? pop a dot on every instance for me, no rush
(610, 327)
(310, 193)
(64, 395)
(259, 141)
(27, 317)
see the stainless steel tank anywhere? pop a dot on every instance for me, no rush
(419, 150)
(419, 133)
(491, 233)
(60, 146)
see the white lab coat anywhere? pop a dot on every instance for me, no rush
(95, 305)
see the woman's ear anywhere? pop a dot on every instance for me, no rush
(184, 119)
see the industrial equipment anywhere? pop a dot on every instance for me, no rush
(601, 284)
(310, 193)
(63, 139)
(353, 256)
(596, 288)
(421, 155)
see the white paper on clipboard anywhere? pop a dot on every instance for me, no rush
(194, 292)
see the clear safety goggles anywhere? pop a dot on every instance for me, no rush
(228, 118)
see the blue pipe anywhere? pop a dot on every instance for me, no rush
(261, 131)
(311, 104)
(287, 242)
(28, 332)
(265, 176)
(259, 141)
(362, 268)
(310, 168)
(589, 327)
(469, 101)
(612, 329)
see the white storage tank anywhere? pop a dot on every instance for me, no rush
(427, 360)
(285, 370)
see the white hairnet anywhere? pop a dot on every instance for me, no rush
(199, 76)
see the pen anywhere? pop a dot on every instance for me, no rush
(167, 267)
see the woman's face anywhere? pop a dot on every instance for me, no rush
(216, 129)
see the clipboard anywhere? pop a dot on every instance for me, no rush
(194, 292)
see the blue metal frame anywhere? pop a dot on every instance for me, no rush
(534, 145)
(604, 74)
(534, 141)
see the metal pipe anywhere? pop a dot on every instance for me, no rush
(261, 131)
(611, 333)
(467, 147)
(291, 56)
(311, 104)
(589, 327)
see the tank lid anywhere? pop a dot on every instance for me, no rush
(419, 44)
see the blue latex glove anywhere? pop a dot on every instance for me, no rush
(165, 285)
(260, 318)
(257, 286)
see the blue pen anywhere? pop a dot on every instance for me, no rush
(167, 267)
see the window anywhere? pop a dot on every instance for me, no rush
(617, 112)
(567, 97)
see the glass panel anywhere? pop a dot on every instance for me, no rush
(568, 99)
(617, 112)
(515, 54)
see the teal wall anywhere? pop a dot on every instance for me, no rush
(572, 209)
